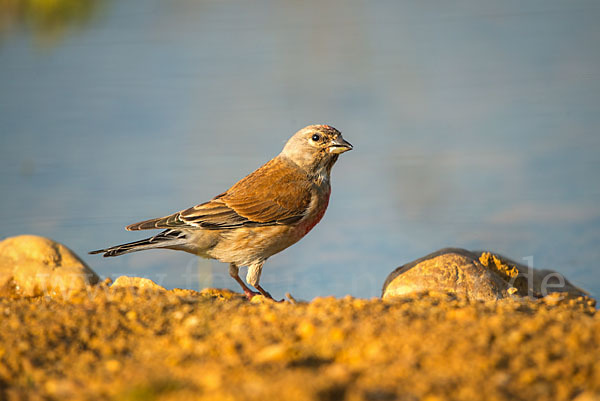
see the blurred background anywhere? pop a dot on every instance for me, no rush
(475, 124)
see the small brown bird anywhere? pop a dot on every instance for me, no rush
(261, 215)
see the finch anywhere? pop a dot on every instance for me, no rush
(261, 215)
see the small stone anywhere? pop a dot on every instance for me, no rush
(306, 329)
(222, 293)
(273, 353)
(112, 365)
(136, 282)
(191, 322)
(260, 299)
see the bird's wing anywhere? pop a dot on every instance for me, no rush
(277, 193)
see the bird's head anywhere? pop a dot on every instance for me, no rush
(316, 148)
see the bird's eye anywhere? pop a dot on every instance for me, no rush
(316, 137)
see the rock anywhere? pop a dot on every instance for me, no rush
(447, 270)
(137, 282)
(529, 281)
(32, 266)
(221, 293)
(475, 275)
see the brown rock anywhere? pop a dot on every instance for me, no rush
(529, 281)
(137, 282)
(447, 270)
(34, 266)
(475, 275)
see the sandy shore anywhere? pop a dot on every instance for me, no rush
(130, 345)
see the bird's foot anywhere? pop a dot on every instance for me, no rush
(250, 294)
(266, 294)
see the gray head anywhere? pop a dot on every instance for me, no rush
(316, 148)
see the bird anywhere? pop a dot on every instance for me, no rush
(262, 214)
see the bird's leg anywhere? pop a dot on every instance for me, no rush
(234, 272)
(262, 291)
(253, 278)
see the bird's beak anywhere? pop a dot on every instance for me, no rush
(339, 145)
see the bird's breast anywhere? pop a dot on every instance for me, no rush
(316, 213)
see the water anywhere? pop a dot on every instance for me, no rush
(474, 124)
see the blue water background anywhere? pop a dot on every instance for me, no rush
(476, 124)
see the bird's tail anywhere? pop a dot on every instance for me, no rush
(166, 239)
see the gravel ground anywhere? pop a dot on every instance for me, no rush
(127, 344)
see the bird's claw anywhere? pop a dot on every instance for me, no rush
(251, 294)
